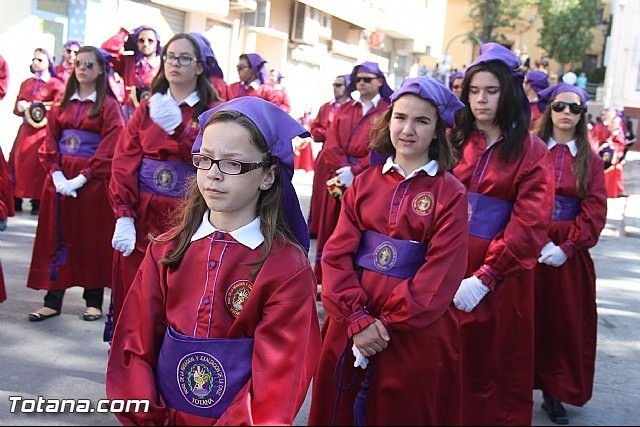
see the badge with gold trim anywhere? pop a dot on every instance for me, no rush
(423, 203)
(385, 256)
(237, 295)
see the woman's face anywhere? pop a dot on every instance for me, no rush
(484, 97)
(87, 68)
(176, 70)
(412, 128)
(565, 120)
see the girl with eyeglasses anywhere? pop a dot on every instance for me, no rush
(71, 247)
(565, 277)
(35, 96)
(220, 325)
(152, 162)
(506, 172)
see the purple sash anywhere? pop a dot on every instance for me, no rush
(79, 143)
(487, 215)
(164, 178)
(565, 208)
(389, 256)
(201, 376)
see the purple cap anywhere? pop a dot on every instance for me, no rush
(73, 42)
(257, 64)
(278, 129)
(453, 77)
(434, 91)
(373, 68)
(496, 52)
(132, 42)
(209, 61)
(549, 94)
(537, 79)
(347, 80)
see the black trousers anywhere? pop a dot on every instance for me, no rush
(93, 298)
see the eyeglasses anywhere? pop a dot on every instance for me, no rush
(574, 108)
(150, 41)
(37, 59)
(226, 166)
(70, 51)
(86, 64)
(365, 79)
(336, 85)
(241, 67)
(182, 60)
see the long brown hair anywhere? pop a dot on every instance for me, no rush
(544, 130)
(101, 83)
(380, 138)
(270, 210)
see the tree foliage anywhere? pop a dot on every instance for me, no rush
(565, 34)
(491, 16)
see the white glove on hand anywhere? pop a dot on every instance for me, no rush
(70, 186)
(59, 180)
(165, 112)
(361, 361)
(555, 257)
(346, 176)
(124, 237)
(546, 248)
(22, 105)
(469, 294)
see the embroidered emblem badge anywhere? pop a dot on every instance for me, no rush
(423, 203)
(165, 178)
(237, 295)
(73, 144)
(385, 256)
(202, 379)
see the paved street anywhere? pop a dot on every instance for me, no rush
(64, 357)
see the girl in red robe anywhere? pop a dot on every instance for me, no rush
(565, 277)
(153, 159)
(391, 268)
(507, 174)
(72, 239)
(220, 324)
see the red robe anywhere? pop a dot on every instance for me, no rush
(536, 115)
(280, 314)
(63, 71)
(347, 143)
(238, 89)
(27, 173)
(281, 97)
(498, 335)
(86, 222)
(303, 155)
(221, 87)
(4, 78)
(565, 296)
(613, 175)
(6, 208)
(416, 380)
(145, 139)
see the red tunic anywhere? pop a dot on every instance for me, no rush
(347, 143)
(145, 139)
(280, 97)
(280, 314)
(4, 78)
(221, 87)
(28, 175)
(565, 296)
(536, 115)
(63, 71)
(497, 336)
(416, 380)
(86, 222)
(303, 156)
(238, 89)
(6, 208)
(614, 175)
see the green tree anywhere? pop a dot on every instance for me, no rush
(565, 34)
(491, 16)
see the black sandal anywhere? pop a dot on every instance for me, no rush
(91, 317)
(38, 317)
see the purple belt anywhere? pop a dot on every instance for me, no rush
(79, 143)
(201, 376)
(565, 208)
(487, 215)
(164, 178)
(389, 256)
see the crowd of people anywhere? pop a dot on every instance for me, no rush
(452, 222)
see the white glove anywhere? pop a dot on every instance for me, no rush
(71, 185)
(346, 176)
(361, 361)
(22, 105)
(554, 257)
(165, 112)
(546, 248)
(124, 237)
(469, 294)
(59, 180)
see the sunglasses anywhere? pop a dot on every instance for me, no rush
(365, 79)
(150, 41)
(338, 84)
(86, 64)
(241, 67)
(37, 59)
(70, 51)
(560, 106)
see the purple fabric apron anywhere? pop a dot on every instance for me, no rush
(389, 256)
(565, 208)
(165, 178)
(488, 216)
(201, 376)
(79, 143)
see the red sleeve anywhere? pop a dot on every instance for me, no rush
(114, 46)
(334, 149)
(23, 89)
(4, 78)
(318, 126)
(221, 87)
(48, 152)
(285, 103)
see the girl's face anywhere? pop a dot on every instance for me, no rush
(484, 96)
(87, 68)
(233, 199)
(565, 120)
(412, 128)
(177, 71)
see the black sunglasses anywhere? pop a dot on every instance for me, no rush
(338, 84)
(70, 51)
(365, 79)
(37, 59)
(559, 107)
(87, 64)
